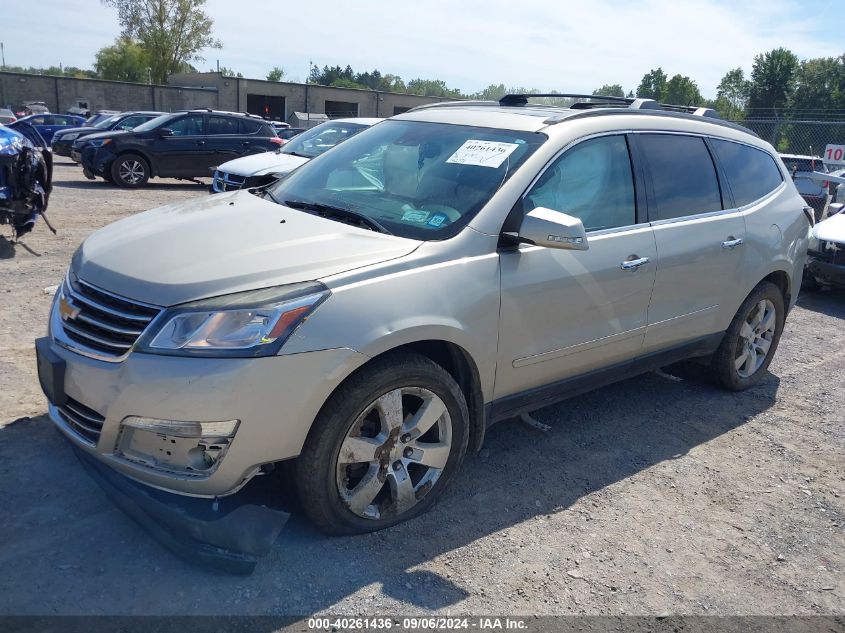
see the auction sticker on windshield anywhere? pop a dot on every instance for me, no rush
(482, 153)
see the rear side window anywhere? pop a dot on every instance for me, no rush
(191, 125)
(592, 181)
(683, 175)
(249, 127)
(132, 121)
(751, 173)
(222, 125)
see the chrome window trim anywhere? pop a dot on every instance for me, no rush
(734, 210)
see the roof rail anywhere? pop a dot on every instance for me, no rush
(583, 102)
(522, 99)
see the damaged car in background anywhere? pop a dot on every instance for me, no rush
(826, 252)
(26, 172)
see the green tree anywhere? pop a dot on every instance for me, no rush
(820, 86)
(432, 88)
(228, 72)
(681, 90)
(653, 85)
(610, 90)
(172, 32)
(277, 74)
(124, 60)
(772, 81)
(732, 95)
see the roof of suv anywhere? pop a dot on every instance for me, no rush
(225, 112)
(515, 112)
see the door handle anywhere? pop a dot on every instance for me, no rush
(633, 264)
(732, 243)
(200, 142)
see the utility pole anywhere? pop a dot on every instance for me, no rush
(3, 55)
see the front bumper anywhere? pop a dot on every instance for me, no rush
(227, 535)
(96, 159)
(62, 148)
(826, 272)
(275, 398)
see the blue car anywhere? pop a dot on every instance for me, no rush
(48, 124)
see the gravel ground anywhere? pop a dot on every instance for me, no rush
(653, 495)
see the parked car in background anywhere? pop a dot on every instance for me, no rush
(7, 116)
(839, 192)
(32, 107)
(367, 317)
(63, 139)
(48, 124)
(826, 255)
(180, 145)
(262, 169)
(288, 133)
(813, 190)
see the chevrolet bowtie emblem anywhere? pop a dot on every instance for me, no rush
(67, 309)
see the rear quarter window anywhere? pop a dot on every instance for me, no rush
(751, 173)
(249, 127)
(683, 175)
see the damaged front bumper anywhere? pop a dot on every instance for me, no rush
(827, 268)
(25, 180)
(224, 534)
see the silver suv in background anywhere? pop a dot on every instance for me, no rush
(367, 317)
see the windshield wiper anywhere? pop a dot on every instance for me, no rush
(339, 213)
(298, 154)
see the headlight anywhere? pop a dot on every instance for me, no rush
(100, 142)
(69, 137)
(255, 323)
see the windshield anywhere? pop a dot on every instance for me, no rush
(105, 122)
(318, 139)
(154, 123)
(418, 180)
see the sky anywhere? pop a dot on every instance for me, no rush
(568, 46)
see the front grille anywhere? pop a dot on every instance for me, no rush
(227, 182)
(85, 422)
(104, 322)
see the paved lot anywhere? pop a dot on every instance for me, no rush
(654, 495)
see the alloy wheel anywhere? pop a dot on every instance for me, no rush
(131, 171)
(394, 453)
(755, 338)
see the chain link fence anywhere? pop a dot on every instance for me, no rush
(798, 136)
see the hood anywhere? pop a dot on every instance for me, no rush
(832, 229)
(74, 130)
(263, 163)
(106, 134)
(216, 245)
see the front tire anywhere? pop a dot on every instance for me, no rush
(751, 340)
(383, 447)
(130, 170)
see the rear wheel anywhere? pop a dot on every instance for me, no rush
(384, 446)
(130, 170)
(751, 340)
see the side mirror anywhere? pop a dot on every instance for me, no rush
(164, 132)
(553, 229)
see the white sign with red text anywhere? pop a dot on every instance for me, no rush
(834, 155)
